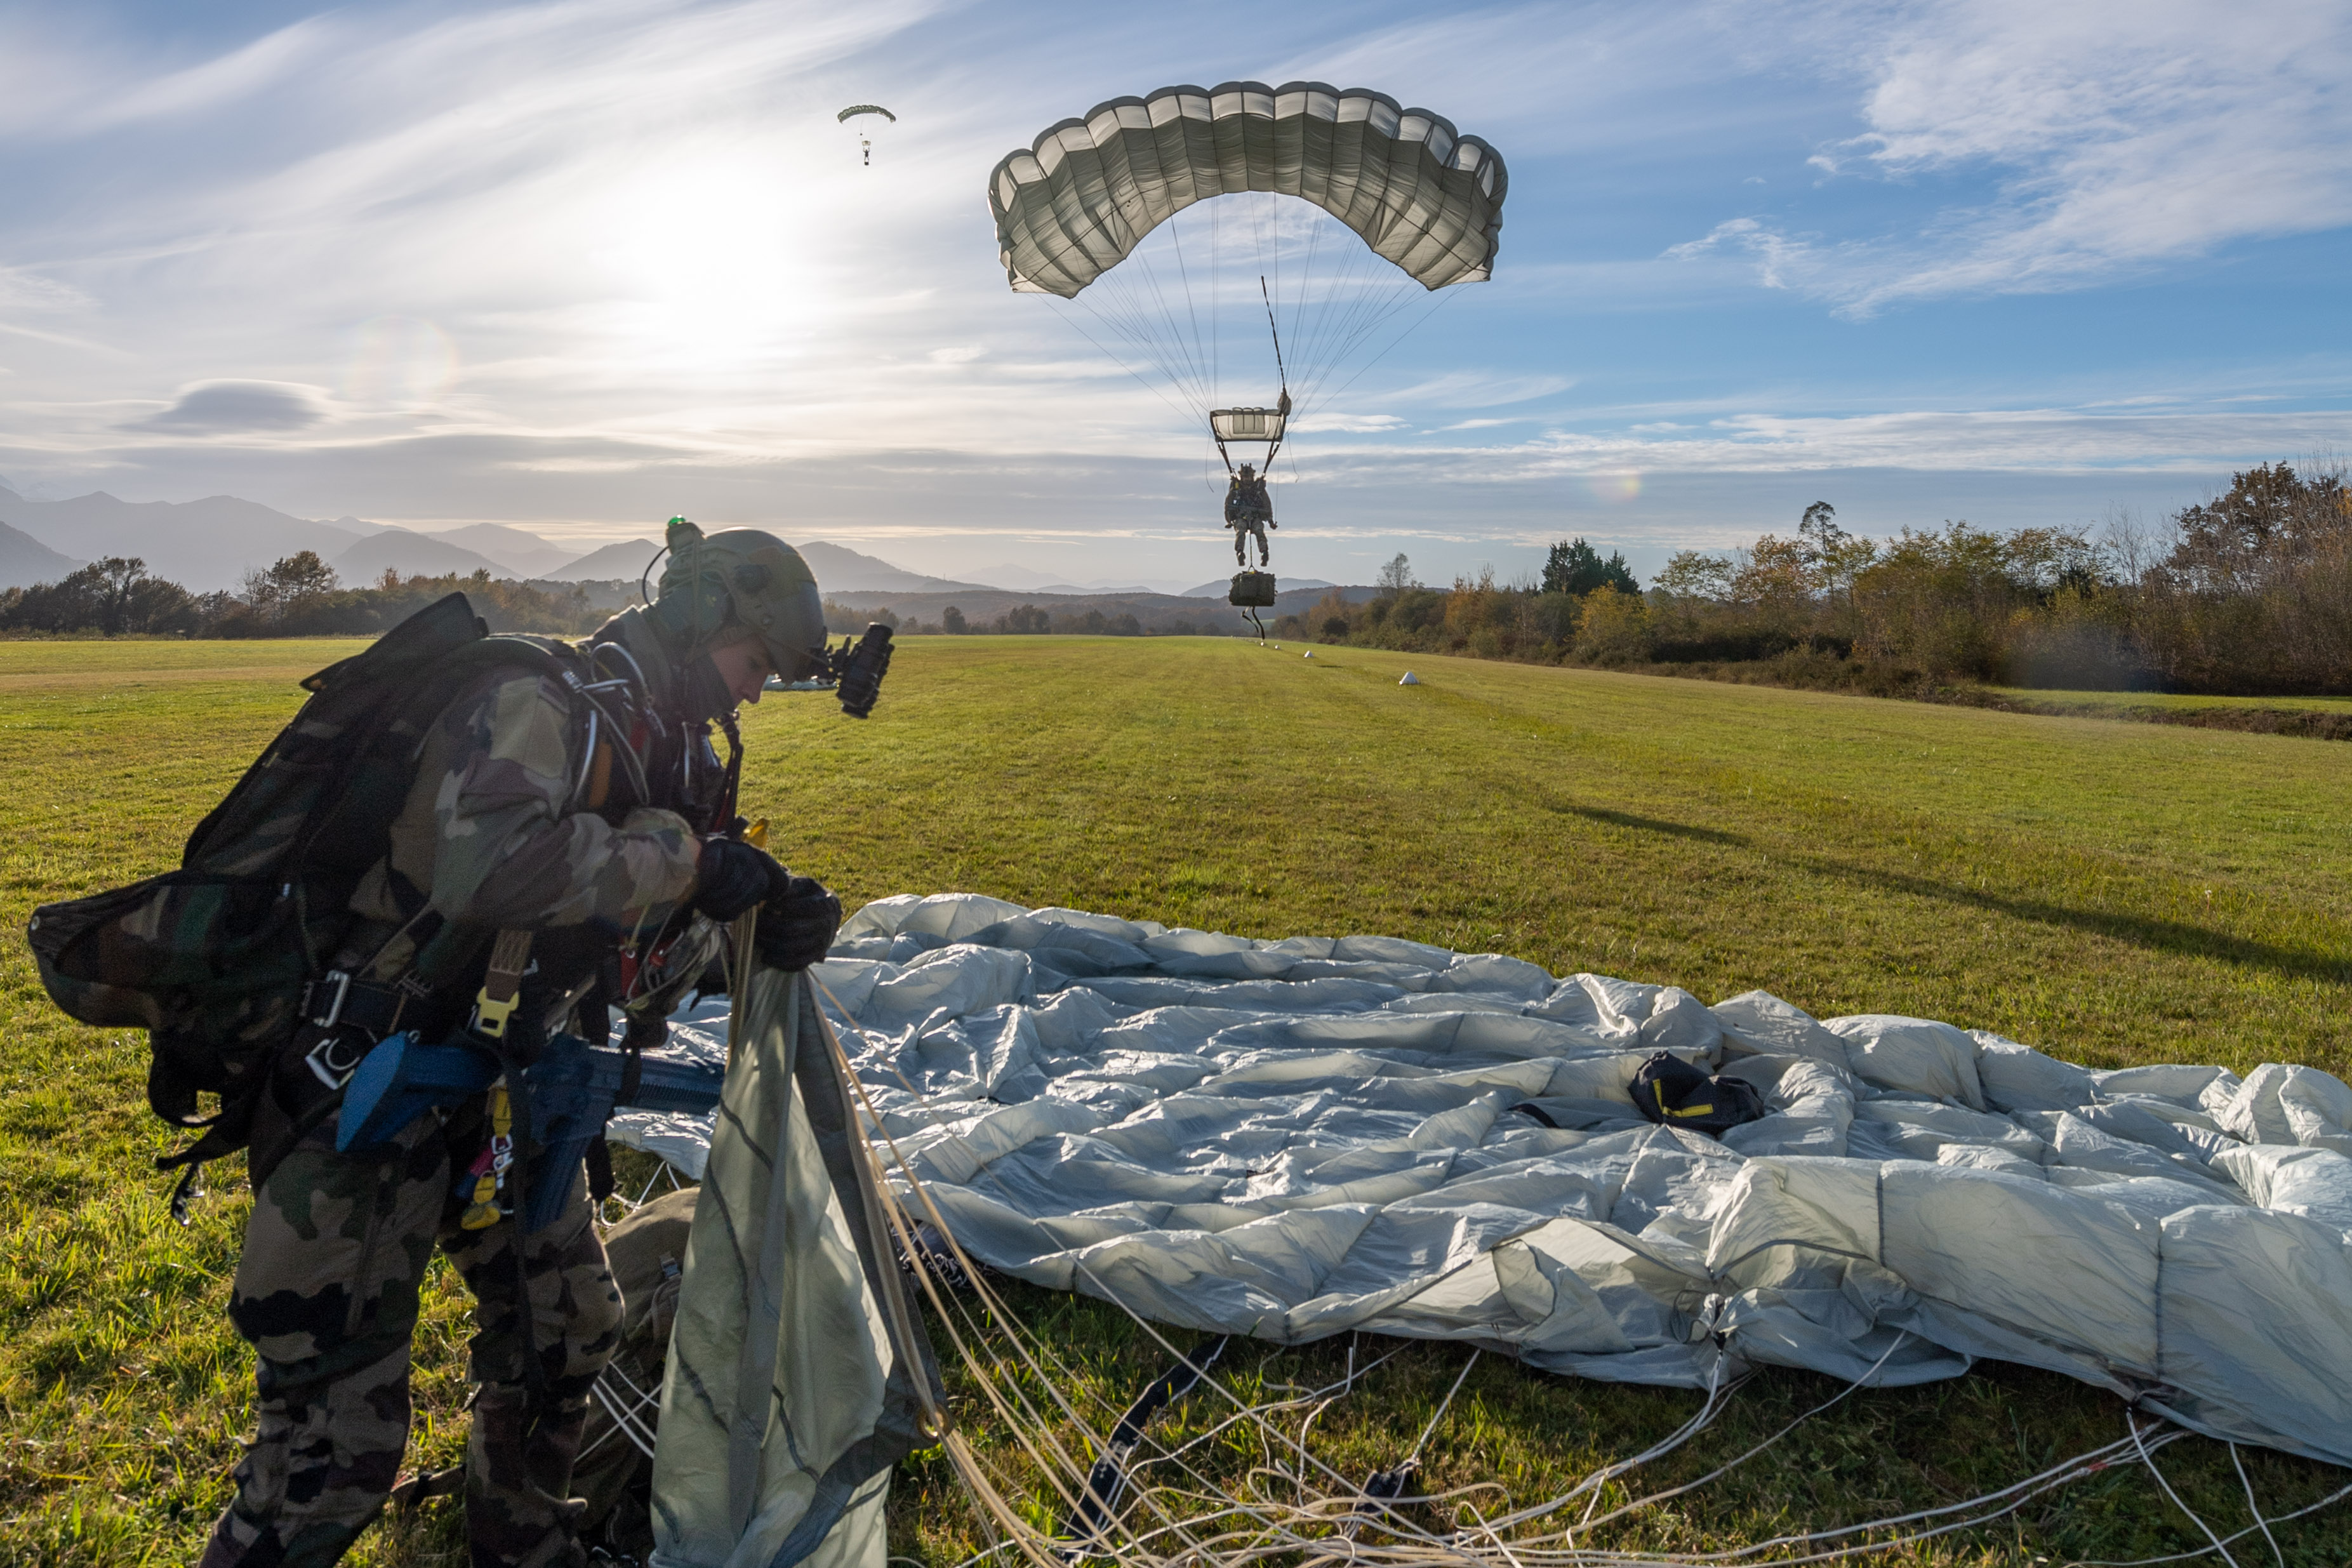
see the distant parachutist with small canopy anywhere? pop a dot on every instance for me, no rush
(864, 143)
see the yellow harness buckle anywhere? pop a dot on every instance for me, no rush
(490, 1017)
(502, 985)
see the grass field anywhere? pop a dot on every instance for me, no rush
(2111, 892)
(2094, 702)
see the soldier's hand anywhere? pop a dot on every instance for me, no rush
(729, 878)
(797, 925)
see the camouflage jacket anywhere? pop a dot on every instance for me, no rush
(491, 836)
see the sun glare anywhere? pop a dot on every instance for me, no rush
(698, 254)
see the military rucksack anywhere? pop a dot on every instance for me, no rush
(213, 960)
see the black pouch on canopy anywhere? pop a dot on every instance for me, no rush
(1672, 1093)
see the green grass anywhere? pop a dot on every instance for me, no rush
(2169, 701)
(2111, 892)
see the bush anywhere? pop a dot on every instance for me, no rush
(1612, 628)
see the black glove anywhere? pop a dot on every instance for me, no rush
(797, 925)
(731, 878)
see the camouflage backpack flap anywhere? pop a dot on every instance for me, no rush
(212, 959)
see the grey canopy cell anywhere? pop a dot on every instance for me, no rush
(1077, 201)
(857, 109)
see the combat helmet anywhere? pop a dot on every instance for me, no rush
(711, 584)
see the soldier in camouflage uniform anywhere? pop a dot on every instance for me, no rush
(506, 828)
(1249, 512)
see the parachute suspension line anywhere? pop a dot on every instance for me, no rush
(1112, 355)
(1216, 254)
(1148, 324)
(1191, 311)
(1282, 373)
(1274, 327)
(1364, 314)
(1443, 297)
(1175, 331)
(1150, 327)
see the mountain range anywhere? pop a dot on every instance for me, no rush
(24, 560)
(212, 544)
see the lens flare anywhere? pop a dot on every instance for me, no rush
(1617, 488)
(400, 361)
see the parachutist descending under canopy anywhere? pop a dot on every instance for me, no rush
(1249, 512)
(864, 144)
(1348, 205)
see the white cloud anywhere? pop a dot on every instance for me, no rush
(1345, 424)
(239, 408)
(260, 66)
(2026, 440)
(2115, 136)
(1471, 389)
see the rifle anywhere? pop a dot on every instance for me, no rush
(573, 1089)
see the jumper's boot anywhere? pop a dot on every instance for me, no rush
(518, 1471)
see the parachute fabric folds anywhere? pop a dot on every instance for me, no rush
(1087, 192)
(788, 1395)
(1292, 1139)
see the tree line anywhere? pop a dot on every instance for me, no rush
(298, 596)
(1024, 620)
(2248, 593)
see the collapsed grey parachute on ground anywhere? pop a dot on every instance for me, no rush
(1087, 192)
(1302, 1138)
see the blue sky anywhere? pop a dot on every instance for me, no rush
(578, 266)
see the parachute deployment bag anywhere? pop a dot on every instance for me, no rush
(614, 1472)
(213, 960)
(1669, 1090)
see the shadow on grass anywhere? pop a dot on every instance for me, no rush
(1655, 824)
(2178, 937)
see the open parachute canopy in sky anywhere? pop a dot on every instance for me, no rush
(1083, 196)
(1084, 213)
(859, 111)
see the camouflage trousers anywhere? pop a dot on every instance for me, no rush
(335, 1252)
(1244, 529)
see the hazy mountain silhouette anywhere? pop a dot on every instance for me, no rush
(24, 560)
(844, 571)
(624, 560)
(838, 569)
(199, 544)
(412, 555)
(1222, 586)
(214, 542)
(519, 552)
